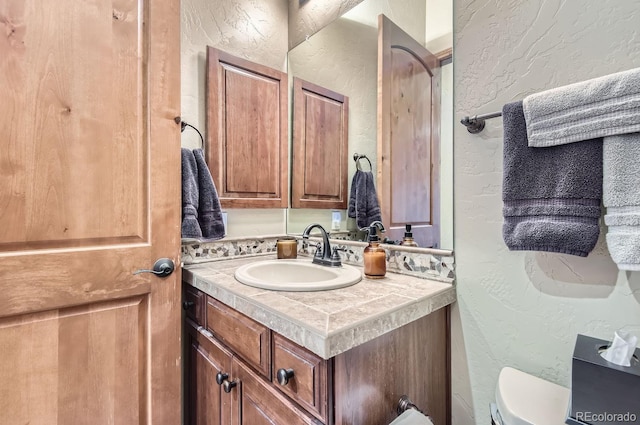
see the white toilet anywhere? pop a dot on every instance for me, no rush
(523, 399)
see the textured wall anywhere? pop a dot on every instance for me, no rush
(306, 17)
(252, 29)
(524, 309)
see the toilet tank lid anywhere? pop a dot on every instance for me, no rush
(523, 399)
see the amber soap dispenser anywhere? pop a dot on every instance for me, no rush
(375, 257)
(408, 237)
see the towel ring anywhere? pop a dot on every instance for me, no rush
(357, 157)
(184, 125)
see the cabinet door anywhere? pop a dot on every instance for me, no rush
(320, 143)
(257, 403)
(206, 402)
(247, 132)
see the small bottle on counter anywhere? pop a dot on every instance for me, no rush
(375, 257)
(408, 237)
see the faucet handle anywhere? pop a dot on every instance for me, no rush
(318, 253)
(335, 257)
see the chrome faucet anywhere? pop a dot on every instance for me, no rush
(326, 257)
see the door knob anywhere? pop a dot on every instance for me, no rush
(161, 268)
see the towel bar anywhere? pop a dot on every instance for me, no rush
(475, 124)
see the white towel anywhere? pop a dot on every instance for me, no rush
(599, 107)
(621, 197)
(411, 417)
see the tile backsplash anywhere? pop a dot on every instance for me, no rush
(426, 263)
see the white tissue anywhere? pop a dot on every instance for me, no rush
(412, 417)
(622, 348)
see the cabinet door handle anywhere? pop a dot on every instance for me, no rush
(186, 305)
(284, 375)
(228, 386)
(221, 378)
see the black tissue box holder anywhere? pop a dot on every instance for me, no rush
(602, 393)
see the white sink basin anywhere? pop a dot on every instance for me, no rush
(296, 275)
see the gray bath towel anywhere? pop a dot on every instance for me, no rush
(603, 106)
(621, 197)
(551, 195)
(209, 210)
(363, 202)
(190, 226)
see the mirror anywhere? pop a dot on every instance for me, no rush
(342, 57)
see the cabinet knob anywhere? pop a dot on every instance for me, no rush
(186, 305)
(221, 378)
(228, 386)
(284, 375)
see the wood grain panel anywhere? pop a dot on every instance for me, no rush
(411, 147)
(311, 381)
(248, 338)
(195, 304)
(72, 98)
(89, 94)
(247, 132)
(258, 403)
(76, 365)
(320, 145)
(207, 403)
(408, 136)
(412, 360)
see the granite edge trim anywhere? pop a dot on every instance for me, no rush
(425, 263)
(367, 330)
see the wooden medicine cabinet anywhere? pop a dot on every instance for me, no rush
(247, 136)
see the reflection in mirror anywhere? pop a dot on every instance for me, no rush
(343, 57)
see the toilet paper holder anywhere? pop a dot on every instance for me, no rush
(405, 403)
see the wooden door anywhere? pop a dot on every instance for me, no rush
(320, 145)
(207, 403)
(89, 193)
(408, 135)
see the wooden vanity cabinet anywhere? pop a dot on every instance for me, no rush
(272, 380)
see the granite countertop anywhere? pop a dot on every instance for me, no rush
(325, 322)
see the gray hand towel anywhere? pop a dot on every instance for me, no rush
(551, 195)
(190, 226)
(209, 210)
(599, 107)
(351, 210)
(367, 206)
(621, 197)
